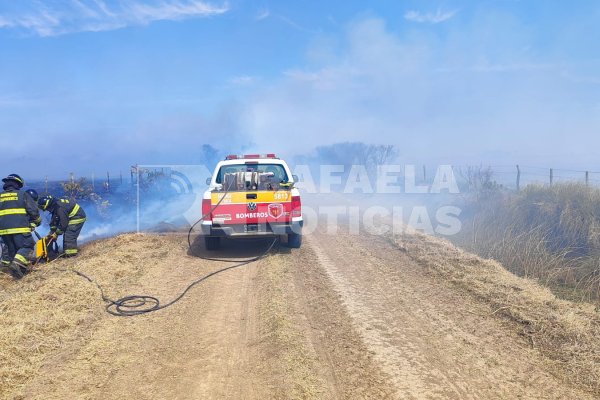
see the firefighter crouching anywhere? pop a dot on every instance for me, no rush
(67, 219)
(18, 217)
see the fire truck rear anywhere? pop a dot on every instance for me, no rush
(251, 196)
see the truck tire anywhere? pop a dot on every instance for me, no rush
(212, 243)
(294, 240)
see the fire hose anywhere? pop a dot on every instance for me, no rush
(133, 305)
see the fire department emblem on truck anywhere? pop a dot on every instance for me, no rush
(251, 206)
(275, 210)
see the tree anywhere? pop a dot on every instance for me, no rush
(210, 155)
(357, 153)
(77, 189)
(480, 181)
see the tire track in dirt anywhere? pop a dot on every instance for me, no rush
(411, 372)
(433, 340)
(344, 363)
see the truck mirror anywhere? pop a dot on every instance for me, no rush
(295, 178)
(208, 180)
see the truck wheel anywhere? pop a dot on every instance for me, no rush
(294, 240)
(212, 243)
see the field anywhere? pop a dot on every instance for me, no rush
(343, 317)
(399, 315)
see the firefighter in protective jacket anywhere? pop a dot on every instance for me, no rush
(18, 218)
(67, 219)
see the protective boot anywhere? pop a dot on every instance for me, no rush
(17, 270)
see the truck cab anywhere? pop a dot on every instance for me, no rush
(249, 196)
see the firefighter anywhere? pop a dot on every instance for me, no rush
(67, 219)
(5, 258)
(19, 216)
(34, 194)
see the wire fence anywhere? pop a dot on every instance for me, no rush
(509, 176)
(518, 176)
(105, 183)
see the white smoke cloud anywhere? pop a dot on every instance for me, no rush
(441, 93)
(448, 99)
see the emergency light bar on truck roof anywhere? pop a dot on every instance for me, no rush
(246, 156)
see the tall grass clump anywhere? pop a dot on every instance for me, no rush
(548, 233)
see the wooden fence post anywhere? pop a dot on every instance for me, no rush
(518, 178)
(587, 178)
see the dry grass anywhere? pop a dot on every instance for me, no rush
(52, 310)
(38, 316)
(567, 333)
(551, 234)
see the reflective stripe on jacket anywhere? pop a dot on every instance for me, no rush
(18, 212)
(66, 213)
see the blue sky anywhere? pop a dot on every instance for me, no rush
(89, 85)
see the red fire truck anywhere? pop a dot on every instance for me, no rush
(251, 195)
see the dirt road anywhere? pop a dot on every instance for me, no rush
(343, 317)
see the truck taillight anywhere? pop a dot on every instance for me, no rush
(206, 208)
(296, 206)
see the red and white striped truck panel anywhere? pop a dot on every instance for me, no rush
(252, 207)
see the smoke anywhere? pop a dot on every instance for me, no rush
(153, 215)
(468, 92)
(479, 87)
(449, 96)
(159, 198)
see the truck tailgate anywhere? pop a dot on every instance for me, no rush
(252, 207)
